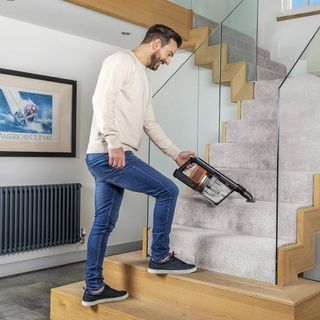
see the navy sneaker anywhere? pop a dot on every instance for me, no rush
(107, 295)
(172, 266)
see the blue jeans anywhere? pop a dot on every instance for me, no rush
(110, 184)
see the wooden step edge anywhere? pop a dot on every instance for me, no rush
(207, 152)
(245, 93)
(233, 68)
(216, 65)
(66, 304)
(67, 293)
(204, 56)
(236, 66)
(229, 71)
(316, 190)
(223, 82)
(196, 38)
(238, 110)
(206, 66)
(239, 80)
(223, 131)
(224, 52)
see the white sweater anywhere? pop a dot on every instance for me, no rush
(122, 108)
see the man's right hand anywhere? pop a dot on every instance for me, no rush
(117, 158)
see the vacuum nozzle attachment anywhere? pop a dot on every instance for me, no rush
(247, 195)
(251, 199)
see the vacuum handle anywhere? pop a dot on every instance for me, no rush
(184, 166)
(178, 173)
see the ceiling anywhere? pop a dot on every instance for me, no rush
(70, 18)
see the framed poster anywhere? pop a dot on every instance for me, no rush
(37, 115)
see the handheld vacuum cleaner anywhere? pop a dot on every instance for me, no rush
(208, 181)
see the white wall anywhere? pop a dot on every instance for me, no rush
(35, 49)
(187, 100)
(285, 39)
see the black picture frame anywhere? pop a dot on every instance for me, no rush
(22, 133)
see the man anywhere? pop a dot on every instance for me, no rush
(121, 111)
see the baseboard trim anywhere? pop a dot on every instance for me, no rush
(25, 266)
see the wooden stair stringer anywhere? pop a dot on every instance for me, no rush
(232, 74)
(299, 257)
(245, 93)
(197, 37)
(198, 42)
(235, 75)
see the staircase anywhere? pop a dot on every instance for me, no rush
(237, 237)
(242, 47)
(234, 243)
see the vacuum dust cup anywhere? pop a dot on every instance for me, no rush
(208, 181)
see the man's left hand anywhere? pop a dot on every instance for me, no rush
(183, 157)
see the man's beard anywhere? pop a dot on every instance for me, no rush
(155, 61)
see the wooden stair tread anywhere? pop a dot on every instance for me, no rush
(228, 72)
(245, 93)
(291, 295)
(196, 38)
(202, 295)
(131, 308)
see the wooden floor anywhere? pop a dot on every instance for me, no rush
(201, 295)
(27, 296)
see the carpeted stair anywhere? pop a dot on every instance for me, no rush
(237, 237)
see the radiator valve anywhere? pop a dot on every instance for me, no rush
(83, 235)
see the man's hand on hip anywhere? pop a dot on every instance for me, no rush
(117, 158)
(183, 157)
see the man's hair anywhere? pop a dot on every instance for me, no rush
(162, 32)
